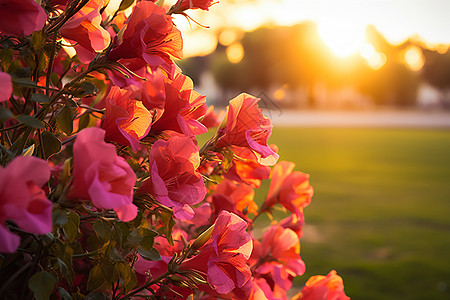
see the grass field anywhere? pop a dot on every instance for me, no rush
(380, 215)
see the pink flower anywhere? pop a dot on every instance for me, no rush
(101, 176)
(247, 127)
(224, 257)
(173, 180)
(289, 188)
(280, 252)
(22, 199)
(182, 109)
(21, 17)
(151, 36)
(235, 197)
(330, 287)
(246, 168)
(84, 28)
(126, 120)
(5, 86)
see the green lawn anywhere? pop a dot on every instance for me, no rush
(380, 215)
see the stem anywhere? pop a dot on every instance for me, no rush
(148, 284)
(13, 278)
(50, 65)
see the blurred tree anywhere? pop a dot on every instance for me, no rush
(436, 70)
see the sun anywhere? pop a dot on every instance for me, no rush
(344, 38)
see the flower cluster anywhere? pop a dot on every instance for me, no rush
(104, 190)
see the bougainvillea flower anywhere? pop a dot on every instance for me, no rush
(289, 188)
(236, 197)
(202, 215)
(181, 111)
(126, 120)
(224, 256)
(22, 199)
(211, 118)
(21, 17)
(5, 86)
(173, 180)
(246, 168)
(182, 5)
(151, 36)
(246, 126)
(85, 29)
(330, 287)
(101, 176)
(280, 248)
(294, 222)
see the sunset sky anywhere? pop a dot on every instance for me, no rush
(341, 23)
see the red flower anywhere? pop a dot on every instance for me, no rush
(101, 176)
(21, 17)
(280, 252)
(173, 180)
(150, 36)
(224, 256)
(289, 188)
(22, 199)
(247, 127)
(126, 119)
(84, 28)
(234, 197)
(330, 287)
(5, 86)
(182, 109)
(246, 168)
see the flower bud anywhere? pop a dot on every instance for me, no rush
(202, 238)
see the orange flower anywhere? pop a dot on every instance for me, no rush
(126, 119)
(289, 188)
(330, 287)
(84, 28)
(246, 126)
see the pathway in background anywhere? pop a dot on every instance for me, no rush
(402, 119)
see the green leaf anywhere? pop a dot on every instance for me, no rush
(160, 2)
(125, 4)
(110, 273)
(168, 221)
(148, 238)
(152, 255)
(103, 230)
(127, 277)
(5, 114)
(42, 284)
(84, 121)
(63, 268)
(64, 120)
(96, 278)
(51, 144)
(59, 217)
(6, 57)
(96, 295)
(28, 151)
(40, 98)
(88, 88)
(115, 255)
(24, 82)
(121, 232)
(37, 40)
(71, 227)
(30, 121)
(64, 294)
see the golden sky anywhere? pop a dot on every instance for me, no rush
(341, 23)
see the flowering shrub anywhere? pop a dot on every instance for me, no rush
(104, 190)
